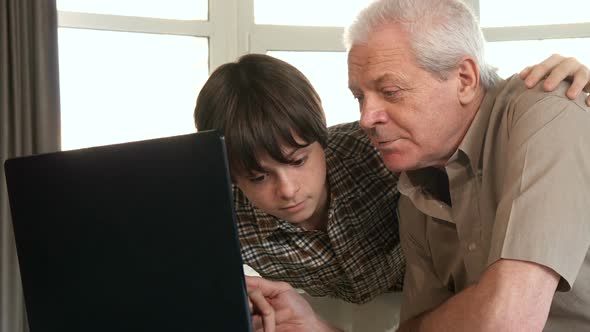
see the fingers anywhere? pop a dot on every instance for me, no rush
(267, 287)
(581, 78)
(253, 281)
(281, 315)
(273, 302)
(257, 324)
(532, 75)
(525, 72)
(569, 67)
(263, 312)
(555, 69)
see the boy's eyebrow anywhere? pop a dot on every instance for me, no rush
(289, 155)
(294, 151)
(251, 173)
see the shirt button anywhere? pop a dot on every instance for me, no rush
(472, 246)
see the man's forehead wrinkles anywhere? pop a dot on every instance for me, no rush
(356, 60)
(371, 66)
(389, 56)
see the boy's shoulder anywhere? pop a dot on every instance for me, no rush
(347, 128)
(348, 140)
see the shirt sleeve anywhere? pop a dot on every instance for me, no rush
(543, 214)
(423, 289)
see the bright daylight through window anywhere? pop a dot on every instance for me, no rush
(131, 69)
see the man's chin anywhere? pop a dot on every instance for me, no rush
(397, 165)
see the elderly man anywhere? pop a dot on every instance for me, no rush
(495, 179)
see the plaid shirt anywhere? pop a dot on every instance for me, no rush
(359, 256)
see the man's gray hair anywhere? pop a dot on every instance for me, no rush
(441, 32)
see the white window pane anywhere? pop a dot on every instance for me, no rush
(307, 12)
(170, 9)
(511, 57)
(120, 86)
(495, 13)
(327, 72)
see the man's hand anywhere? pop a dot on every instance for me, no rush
(277, 307)
(555, 69)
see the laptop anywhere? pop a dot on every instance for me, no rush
(138, 236)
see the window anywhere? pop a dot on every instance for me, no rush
(131, 69)
(533, 31)
(170, 9)
(307, 12)
(327, 73)
(511, 57)
(122, 86)
(500, 13)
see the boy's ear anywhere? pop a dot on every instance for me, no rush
(469, 83)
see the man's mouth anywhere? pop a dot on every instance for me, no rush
(383, 143)
(387, 146)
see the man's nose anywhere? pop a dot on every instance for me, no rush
(372, 114)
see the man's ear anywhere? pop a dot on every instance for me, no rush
(469, 83)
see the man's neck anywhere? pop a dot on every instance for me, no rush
(471, 110)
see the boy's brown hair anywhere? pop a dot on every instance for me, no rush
(259, 103)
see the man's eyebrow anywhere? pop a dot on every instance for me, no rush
(388, 77)
(379, 80)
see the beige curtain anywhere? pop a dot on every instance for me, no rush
(29, 121)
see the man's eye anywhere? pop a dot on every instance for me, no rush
(390, 92)
(257, 179)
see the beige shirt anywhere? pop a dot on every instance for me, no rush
(519, 187)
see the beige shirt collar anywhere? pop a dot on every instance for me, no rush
(411, 183)
(472, 143)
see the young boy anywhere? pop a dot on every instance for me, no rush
(316, 207)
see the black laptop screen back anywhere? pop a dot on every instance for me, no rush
(130, 237)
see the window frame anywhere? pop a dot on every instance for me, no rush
(221, 28)
(232, 31)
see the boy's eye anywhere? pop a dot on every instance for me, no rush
(258, 178)
(299, 162)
